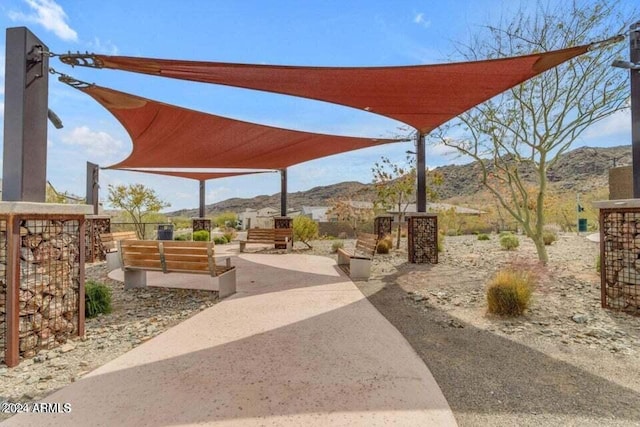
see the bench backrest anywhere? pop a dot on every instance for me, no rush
(270, 234)
(168, 256)
(110, 240)
(366, 245)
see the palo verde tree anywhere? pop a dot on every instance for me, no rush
(137, 201)
(526, 129)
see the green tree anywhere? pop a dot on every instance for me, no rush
(528, 127)
(226, 219)
(395, 185)
(138, 201)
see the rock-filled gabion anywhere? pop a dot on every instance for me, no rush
(621, 260)
(49, 283)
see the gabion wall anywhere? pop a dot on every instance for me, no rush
(620, 259)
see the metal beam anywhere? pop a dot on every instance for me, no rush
(93, 184)
(24, 176)
(634, 57)
(202, 200)
(421, 172)
(283, 192)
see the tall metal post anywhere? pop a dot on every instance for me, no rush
(421, 196)
(283, 192)
(24, 176)
(634, 57)
(93, 185)
(202, 201)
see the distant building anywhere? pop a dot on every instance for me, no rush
(435, 208)
(316, 213)
(261, 218)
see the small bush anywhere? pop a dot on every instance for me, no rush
(182, 237)
(509, 292)
(338, 244)
(97, 298)
(482, 236)
(548, 237)
(201, 236)
(384, 245)
(230, 235)
(509, 242)
(440, 243)
(304, 229)
(220, 240)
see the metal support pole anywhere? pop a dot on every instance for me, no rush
(202, 201)
(283, 192)
(93, 184)
(421, 172)
(634, 57)
(24, 176)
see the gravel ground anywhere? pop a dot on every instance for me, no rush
(565, 362)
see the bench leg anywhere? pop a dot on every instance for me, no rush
(360, 269)
(227, 283)
(343, 259)
(242, 245)
(113, 261)
(135, 279)
(289, 245)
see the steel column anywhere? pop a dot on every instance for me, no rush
(634, 57)
(283, 192)
(93, 173)
(202, 200)
(25, 117)
(421, 172)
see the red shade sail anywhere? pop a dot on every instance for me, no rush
(167, 136)
(198, 176)
(423, 96)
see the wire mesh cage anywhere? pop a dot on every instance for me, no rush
(3, 286)
(620, 259)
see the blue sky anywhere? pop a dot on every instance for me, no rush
(323, 33)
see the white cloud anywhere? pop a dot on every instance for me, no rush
(615, 124)
(50, 15)
(96, 143)
(420, 20)
(103, 47)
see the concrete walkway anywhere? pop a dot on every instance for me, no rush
(298, 345)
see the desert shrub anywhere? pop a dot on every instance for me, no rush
(97, 298)
(509, 242)
(230, 235)
(598, 263)
(548, 237)
(201, 236)
(509, 292)
(220, 240)
(182, 237)
(304, 229)
(440, 243)
(482, 236)
(505, 233)
(338, 244)
(384, 245)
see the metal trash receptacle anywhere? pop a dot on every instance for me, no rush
(582, 225)
(165, 232)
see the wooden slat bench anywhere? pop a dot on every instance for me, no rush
(110, 244)
(168, 256)
(358, 263)
(271, 236)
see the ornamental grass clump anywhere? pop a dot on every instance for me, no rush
(201, 236)
(509, 292)
(384, 245)
(509, 242)
(97, 298)
(548, 237)
(220, 240)
(338, 244)
(483, 236)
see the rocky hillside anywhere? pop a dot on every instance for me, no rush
(583, 169)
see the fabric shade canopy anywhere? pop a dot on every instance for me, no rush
(168, 136)
(198, 176)
(423, 96)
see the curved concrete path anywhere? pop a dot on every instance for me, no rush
(298, 345)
